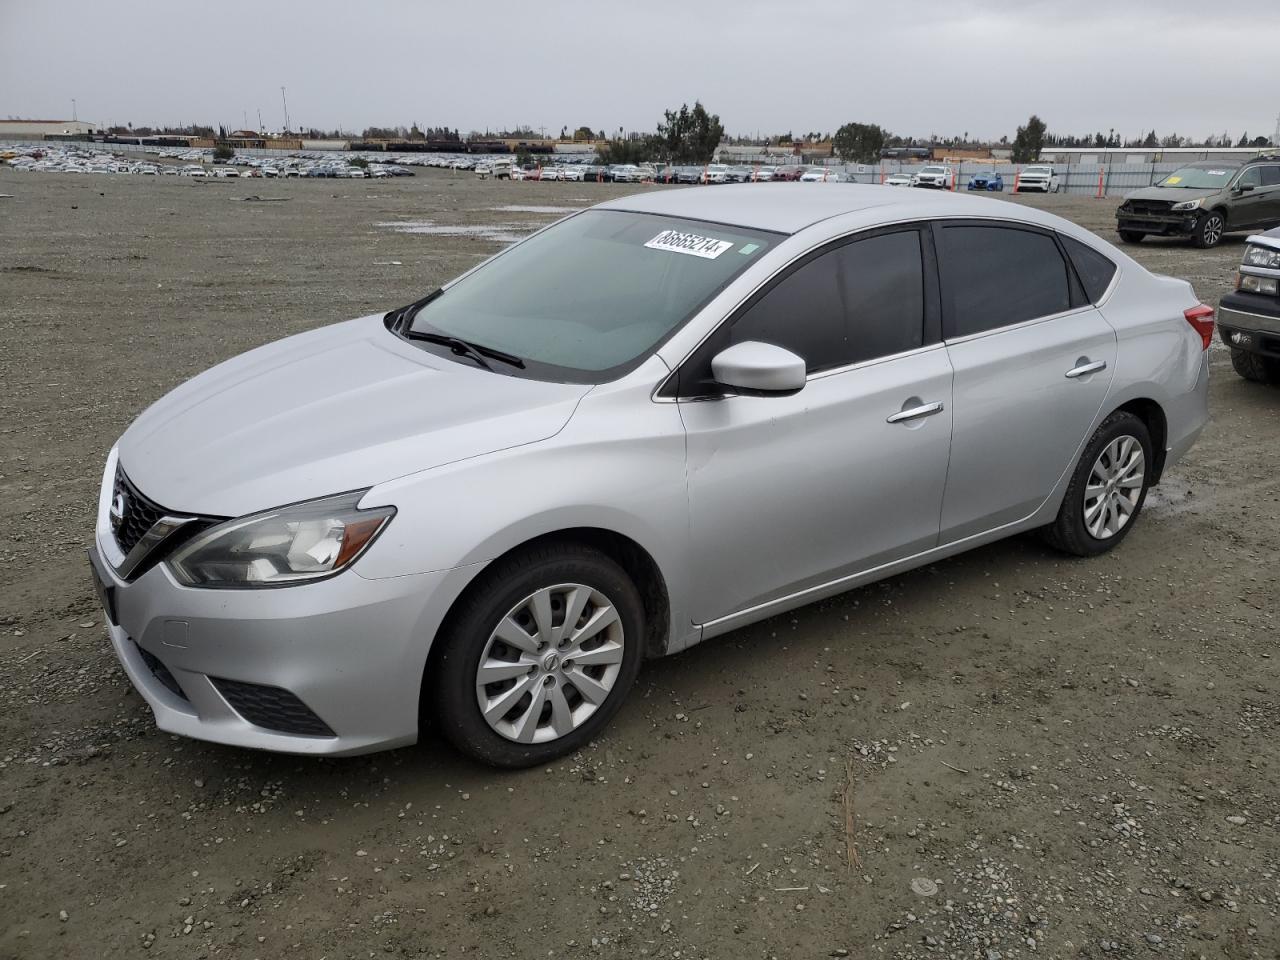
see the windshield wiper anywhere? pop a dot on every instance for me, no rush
(401, 317)
(477, 352)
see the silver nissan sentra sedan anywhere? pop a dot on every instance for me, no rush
(655, 421)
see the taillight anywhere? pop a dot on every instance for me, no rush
(1201, 317)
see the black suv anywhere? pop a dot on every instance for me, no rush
(1204, 201)
(1249, 317)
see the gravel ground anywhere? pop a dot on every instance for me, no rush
(1005, 755)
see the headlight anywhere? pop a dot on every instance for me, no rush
(296, 544)
(1187, 205)
(1255, 256)
(1266, 285)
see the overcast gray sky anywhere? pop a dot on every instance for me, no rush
(929, 66)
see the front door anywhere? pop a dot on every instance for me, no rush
(791, 492)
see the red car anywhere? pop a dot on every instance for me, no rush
(788, 173)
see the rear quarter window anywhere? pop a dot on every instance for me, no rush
(1093, 268)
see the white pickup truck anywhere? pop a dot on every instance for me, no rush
(1039, 178)
(499, 169)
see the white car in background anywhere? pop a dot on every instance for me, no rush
(934, 176)
(821, 176)
(898, 180)
(572, 173)
(1039, 179)
(716, 173)
(551, 173)
(626, 173)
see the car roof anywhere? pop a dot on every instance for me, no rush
(784, 209)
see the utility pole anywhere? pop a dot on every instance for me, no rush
(286, 110)
(74, 118)
(259, 119)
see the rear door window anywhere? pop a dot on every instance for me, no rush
(996, 276)
(1271, 175)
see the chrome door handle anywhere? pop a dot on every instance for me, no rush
(1086, 368)
(915, 413)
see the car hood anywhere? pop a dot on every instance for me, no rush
(335, 409)
(1172, 194)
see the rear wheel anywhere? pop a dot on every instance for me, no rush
(1107, 489)
(1210, 226)
(538, 657)
(1131, 236)
(1253, 367)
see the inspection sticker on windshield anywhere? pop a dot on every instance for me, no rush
(676, 242)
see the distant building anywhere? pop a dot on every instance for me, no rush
(1092, 156)
(39, 129)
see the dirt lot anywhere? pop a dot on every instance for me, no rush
(1041, 757)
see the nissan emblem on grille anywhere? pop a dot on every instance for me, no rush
(119, 504)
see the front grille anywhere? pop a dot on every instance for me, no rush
(1148, 208)
(272, 708)
(138, 514)
(161, 672)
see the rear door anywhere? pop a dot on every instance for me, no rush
(791, 492)
(1033, 361)
(1269, 194)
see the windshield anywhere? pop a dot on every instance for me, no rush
(934, 170)
(1198, 178)
(590, 297)
(1043, 171)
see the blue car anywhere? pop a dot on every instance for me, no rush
(987, 180)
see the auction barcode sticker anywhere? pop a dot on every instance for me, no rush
(676, 242)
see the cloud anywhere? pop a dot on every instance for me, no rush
(931, 66)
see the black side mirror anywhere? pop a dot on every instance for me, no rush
(1243, 187)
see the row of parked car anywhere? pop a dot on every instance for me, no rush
(75, 159)
(505, 168)
(1039, 178)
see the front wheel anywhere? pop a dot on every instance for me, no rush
(1132, 236)
(1256, 368)
(1107, 490)
(538, 657)
(1209, 229)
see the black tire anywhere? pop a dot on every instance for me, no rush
(1210, 228)
(1131, 236)
(451, 683)
(1068, 532)
(1256, 368)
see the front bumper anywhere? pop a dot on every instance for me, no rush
(333, 667)
(1165, 225)
(1250, 322)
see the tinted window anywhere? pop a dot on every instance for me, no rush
(1095, 270)
(883, 281)
(1271, 176)
(803, 313)
(1251, 177)
(996, 276)
(857, 302)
